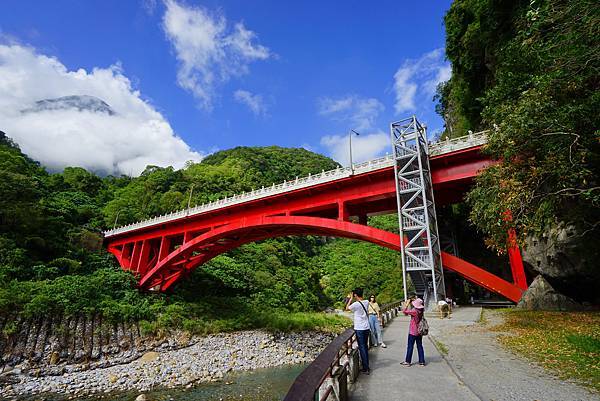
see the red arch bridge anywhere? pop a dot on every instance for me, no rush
(165, 249)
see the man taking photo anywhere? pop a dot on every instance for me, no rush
(361, 325)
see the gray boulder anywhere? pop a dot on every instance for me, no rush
(568, 259)
(541, 296)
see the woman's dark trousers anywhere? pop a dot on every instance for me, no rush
(409, 349)
(363, 347)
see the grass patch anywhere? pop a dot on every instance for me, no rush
(275, 321)
(440, 346)
(224, 315)
(298, 321)
(567, 343)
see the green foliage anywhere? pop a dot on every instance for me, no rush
(163, 190)
(233, 314)
(586, 344)
(9, 329)
(52, 261)
(530, 69)
(272, 164)
(347, 264)
(109, 291)
(275, 273)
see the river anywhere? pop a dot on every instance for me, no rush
(270, 384)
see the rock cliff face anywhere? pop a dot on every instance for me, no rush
(568, 261)
(45, 345)
(541, 296)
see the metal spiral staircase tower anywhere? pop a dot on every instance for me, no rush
(420, 245)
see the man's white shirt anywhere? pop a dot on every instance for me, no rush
(361, 319)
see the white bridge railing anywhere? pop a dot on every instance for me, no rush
(435, 149)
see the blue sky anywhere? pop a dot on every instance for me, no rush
(191, 77)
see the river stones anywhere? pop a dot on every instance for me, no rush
(205, 359)
(149, 356)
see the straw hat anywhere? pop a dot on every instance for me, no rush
(418, 303)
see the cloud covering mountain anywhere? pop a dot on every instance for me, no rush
(79, 103)
(93, 119)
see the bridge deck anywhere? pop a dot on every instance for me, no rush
(390, 381)
(166, 249)
(436, 150)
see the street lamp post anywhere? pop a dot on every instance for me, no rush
(116, 218)
(350, 143)
(190, 199)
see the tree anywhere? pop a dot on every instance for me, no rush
(531, 70)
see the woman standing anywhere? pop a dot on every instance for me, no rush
(374, 319)
(416, 314)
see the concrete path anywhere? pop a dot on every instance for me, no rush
(492, 372)
(390, 381)
(475, 368)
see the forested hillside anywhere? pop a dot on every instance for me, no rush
(529, 71)
(52, 260)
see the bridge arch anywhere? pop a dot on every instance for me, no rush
(196, 251)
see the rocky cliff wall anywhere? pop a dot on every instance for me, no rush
(50, 345)
(568, 258)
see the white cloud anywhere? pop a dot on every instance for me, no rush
(255, 103)
(208, 52)
(149, 6)
(443, 74)
(417, 79)
(361, 113)
(125, 141)
(364, 147)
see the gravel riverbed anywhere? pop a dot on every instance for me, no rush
(205, 359)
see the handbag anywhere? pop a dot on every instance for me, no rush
(423, 326)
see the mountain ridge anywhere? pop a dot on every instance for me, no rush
(78, 102)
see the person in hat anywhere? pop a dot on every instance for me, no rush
(415, 309)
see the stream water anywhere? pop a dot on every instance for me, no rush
(269, 384)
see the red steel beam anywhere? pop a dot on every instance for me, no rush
(482, 277)
(451, 172)
(295, 213)
(255, 229)
(514, 256)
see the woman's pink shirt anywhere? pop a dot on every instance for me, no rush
(415, 318)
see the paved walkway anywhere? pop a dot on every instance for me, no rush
(475, 368)
(494, 373)
(390, 381)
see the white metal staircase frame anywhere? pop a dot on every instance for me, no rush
(421, 256)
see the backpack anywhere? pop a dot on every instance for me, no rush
(423, 326)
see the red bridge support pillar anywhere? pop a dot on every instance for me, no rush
(514, 256)
(142, 264)
(164, 248)
(342, 211)
(135, 256)
(516, 261)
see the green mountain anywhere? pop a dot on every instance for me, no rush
(52, 261)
